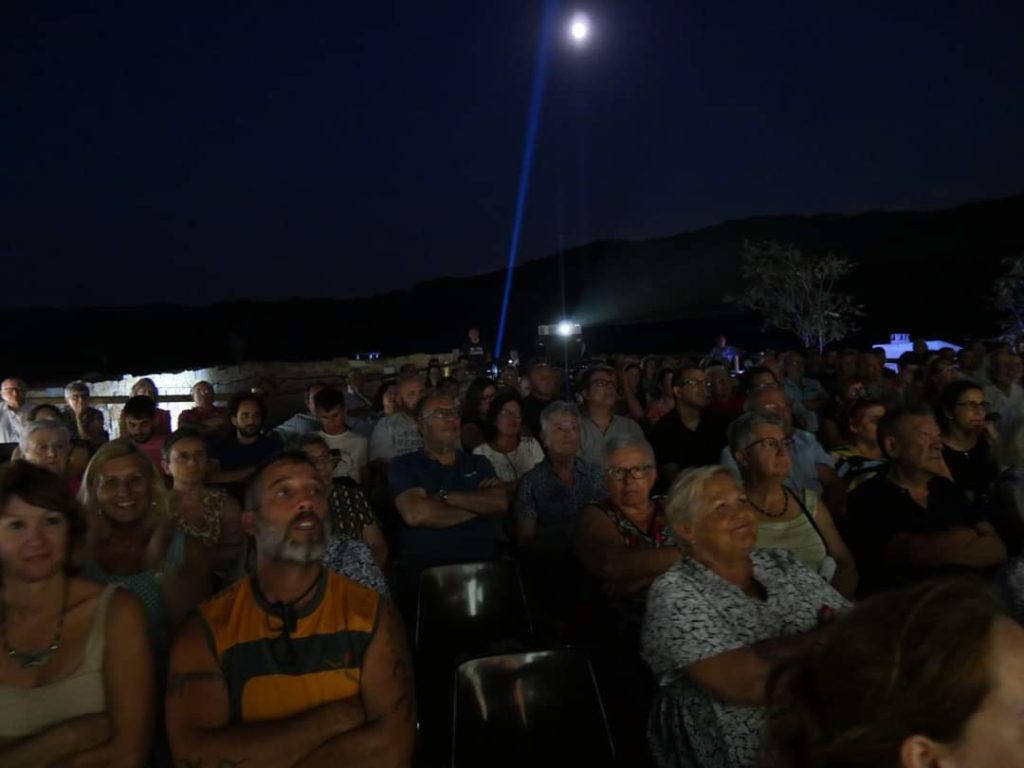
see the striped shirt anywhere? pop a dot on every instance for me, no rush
(272, 674)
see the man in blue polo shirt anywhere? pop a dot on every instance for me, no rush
(446, 498)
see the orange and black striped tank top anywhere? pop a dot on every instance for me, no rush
(272, 673)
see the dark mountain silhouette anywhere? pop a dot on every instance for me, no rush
(927, 272)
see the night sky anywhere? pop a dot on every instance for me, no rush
(160, 152)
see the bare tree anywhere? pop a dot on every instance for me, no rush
(1008, 297)
(798, 293)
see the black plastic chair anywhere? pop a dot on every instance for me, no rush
(472, 610)
(530, 709)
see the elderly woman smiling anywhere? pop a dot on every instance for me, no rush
(720, 622)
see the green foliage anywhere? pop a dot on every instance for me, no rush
(798, 293)
(1008, 297)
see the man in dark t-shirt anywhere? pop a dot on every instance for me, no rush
(911, 522)
(687, 436)
(446, 498)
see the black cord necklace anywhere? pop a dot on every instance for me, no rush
(36, 658)
(765, 512)
(286, 613)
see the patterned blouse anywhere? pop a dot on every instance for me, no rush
(349, 511)
(695, 614)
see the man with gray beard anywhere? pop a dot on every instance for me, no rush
(294, 665)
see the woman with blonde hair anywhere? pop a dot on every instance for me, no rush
(133, 539)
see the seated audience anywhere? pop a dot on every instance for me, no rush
(76, 675)
(385, 402)
(47, 444)
(397, 434)
(295, 665)
(347, 506)
(133, 539)
(511, 453)
(633, 400)
(687, 437)
(930, 676)
(161, 419)
(801, 389)
(812, 467)
(719, 623)
(725, 400)
(138, 424)
(543, 389)
(552, 494)
(937, 375)
(663, 402)
(599, 423)
(446, 498)
(786, 519)
(1007, 507)
(84, 422)
(909, 386)
(357, 403)
(624, 541)
(13, 411)
(836, 412)
(207, 515)
(301, 423)
(349, 451)
(205, 416)
(78, 458)
(477, 402)
(928, 526)
(235, 459)
(1003, 390)
(860, 457)
(967, 438)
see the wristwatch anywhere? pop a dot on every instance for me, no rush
(443, 495)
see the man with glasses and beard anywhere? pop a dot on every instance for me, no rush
(295, 665)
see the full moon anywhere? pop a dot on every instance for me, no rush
(579, 28)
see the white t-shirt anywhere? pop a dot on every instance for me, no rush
(351, 450)
(509, 467)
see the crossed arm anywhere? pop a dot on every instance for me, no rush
(376, 728)
(422, 511)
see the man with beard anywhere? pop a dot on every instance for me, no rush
(235, 460)
(137, 420)
(295, 665)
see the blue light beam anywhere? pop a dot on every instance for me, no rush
(540, 74)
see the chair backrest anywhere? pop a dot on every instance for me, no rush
(530, 709)
(472, 610)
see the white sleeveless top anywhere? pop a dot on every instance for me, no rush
(28, 711)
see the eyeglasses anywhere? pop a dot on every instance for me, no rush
(974, 405)
(606, 383)
(324, 461)
(442, 413)
(639, 472)
(699, 382)
(773, 443)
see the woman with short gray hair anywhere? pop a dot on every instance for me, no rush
(719, 623)
(787, 519)
(625, 542)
